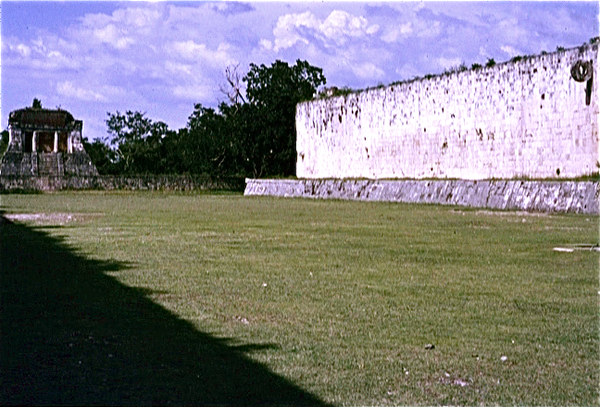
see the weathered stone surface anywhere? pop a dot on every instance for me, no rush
(541, 196)
(523, 119)
(150, 182)
(45, 142)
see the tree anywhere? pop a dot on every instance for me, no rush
(210, 145)
(103, 157)
(137, 141)
(274, 92)
(233, 90)
(253, 135)
(37, 104)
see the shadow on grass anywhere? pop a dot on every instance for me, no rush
(71, 334)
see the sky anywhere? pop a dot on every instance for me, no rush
(161, 58)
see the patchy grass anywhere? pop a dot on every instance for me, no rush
(342, 298)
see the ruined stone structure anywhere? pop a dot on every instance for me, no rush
(469, 138)
(45, 142)
(534, 117)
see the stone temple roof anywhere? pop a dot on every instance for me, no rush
(31, 117)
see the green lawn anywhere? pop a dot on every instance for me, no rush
(333, 301)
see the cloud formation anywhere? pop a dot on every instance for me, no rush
(164, 57)
(337, 29)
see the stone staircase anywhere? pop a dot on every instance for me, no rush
(50, 164)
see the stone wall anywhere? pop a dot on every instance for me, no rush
(150, 182)
(522, 119)
(542, 196)
(16, 164)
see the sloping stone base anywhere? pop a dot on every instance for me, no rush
(15, 164)
(541, 196)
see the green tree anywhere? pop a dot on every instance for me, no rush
(103, 157)
(137, 142)
(254, 135)
(209, 145)
(273, 93)
(37, 104)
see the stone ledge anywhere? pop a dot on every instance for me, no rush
(539, 196)
(134, 182)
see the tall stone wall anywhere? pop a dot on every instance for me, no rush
(523, 119)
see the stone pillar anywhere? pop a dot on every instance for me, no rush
(15, 139)
(56, 142)
(34, 142)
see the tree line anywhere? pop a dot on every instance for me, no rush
(252, 135)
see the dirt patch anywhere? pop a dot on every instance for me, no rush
(58, 218)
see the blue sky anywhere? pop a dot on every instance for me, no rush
(163, 57)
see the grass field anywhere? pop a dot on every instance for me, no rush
(133, 298)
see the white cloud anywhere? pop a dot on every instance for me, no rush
(90, 93)
(408, 71)
(38, 46)
(181, 15)
(266, 44)
(177, 68)
(171, 54)
(138, 17)
(429, 29)
(192, 92)
(367, 70)
(512, 52)
(513, 30)
(340, 25)
(38, 54)
(395, 33)
(288, 26)
(484, 52)
(21, 49)
(448, 63)
(111, 35)
(192, 51)
(337, 29)
(69, 90)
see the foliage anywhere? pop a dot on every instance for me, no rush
(490, 63)
(273, 93)
(37, 104)
(139, 143)
(204, 147)
(252, 136)
(103, 157)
